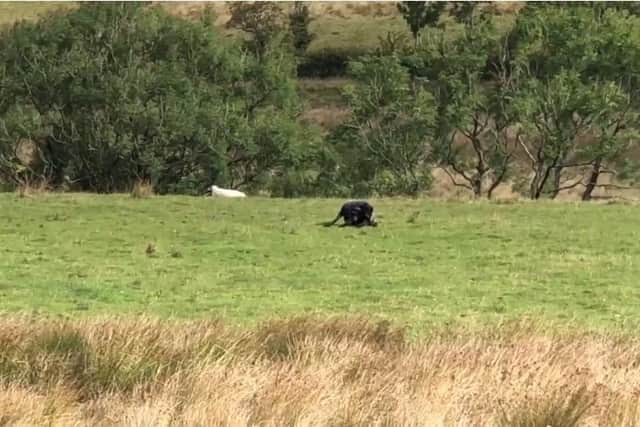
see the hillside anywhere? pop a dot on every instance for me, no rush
(335, 24)
(348, 26)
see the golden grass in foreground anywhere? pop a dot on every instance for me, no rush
(307, 371)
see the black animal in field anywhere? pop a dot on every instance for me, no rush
(356, 213)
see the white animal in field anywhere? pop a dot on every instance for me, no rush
(223, 192)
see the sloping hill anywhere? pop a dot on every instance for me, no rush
(335, 24)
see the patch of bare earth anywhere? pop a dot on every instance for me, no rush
(311, 371)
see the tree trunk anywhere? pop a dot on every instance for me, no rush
(535, 187)
(497, 181)
(593, 180)
(481, 167)
(557, 173)
(542, 173)
(476, 184)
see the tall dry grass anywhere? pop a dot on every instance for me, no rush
(29, 188)
(141, 189)
(308, 371)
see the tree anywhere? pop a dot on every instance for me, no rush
(115, 92)
(299, 20)
(419, 14)
(473, 120)
(597, 47)
(261, 19)
(464, 12)
(554, 115)
(266, 109)
(387, 141)
(613, 133)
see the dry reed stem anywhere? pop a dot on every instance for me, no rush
(29, 189)
(141, 189)
(310, 372)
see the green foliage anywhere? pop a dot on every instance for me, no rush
(612, 124)
(111, 94)
(577, 71)
(387, 141)
(614, 130)
(557, 114)
(629, 170)
(599, 46)
(261, 19)
(115, 93)
(468, 108)
(418, 14)
(299, 20)
(325, 63)
(553, 115)
(465, 12)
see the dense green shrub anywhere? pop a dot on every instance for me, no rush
(327, 62)
(112, 93)
(299, 20)
(385, 147)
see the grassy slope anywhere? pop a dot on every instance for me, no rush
(255, 258)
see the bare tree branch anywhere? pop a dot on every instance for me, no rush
(453, 180)
(581, 183)
(576, 165)
(526, 149)
(567, 187)
(460, 172)
(616, 186)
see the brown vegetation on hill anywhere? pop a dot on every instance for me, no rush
(320, 8)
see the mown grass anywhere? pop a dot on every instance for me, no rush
(246, 260)
(311, 371)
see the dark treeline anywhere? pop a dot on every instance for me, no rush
(110, 94)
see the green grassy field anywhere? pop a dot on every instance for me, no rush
(246, 260)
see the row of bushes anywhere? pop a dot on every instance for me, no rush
(116, 93)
